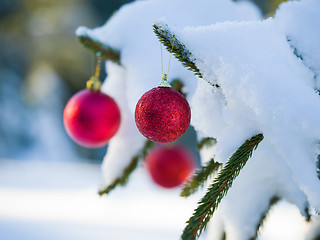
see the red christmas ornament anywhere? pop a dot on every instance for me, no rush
(162, 114)
(91, 118)
(170, 166)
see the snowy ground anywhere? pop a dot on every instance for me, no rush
(58, 201)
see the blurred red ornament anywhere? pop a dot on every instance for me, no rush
(91, 118)
(162, 114)
(170, 166)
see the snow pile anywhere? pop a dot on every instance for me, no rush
(265, 87)
(268, 72)
(303, 32)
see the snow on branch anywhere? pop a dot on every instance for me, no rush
(178, 49)
(208, 141)
(198, 222)
(106, 52)
(200, 178)
(121, 181)
(273, 201)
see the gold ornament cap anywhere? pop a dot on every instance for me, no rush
(93, 84)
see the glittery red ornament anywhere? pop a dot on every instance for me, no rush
(162, 114)
(170, 166)
(91, 118)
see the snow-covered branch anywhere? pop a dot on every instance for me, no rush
(198, 222)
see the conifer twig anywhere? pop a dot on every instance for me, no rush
(199, 178)
(307, 214)
(106, 52)
(221, 184)
(273, 201)
(123, 179)
(178, 49)
(206, 142)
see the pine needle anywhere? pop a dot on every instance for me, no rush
(199, 178)
(105, 52)
(206, 142)
(273, 201)
(179, 50)
(121, 181)
(206, 207)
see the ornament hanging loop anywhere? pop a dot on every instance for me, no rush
(94, 83)
(164, 81)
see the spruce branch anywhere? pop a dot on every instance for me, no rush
(106, 52)
(179, 50)
(177, 85)
(121, 181)
(223, 236)
(199, 178)
(221, 184)
(206, 142)
(273, 201)
(307, 214)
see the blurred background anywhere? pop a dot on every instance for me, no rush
(41, 65)
(48, 184)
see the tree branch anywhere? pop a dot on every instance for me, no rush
(273, 201)
(206, 207)
(199, 178)
(106, 52)
(179, 50)
(123, 179)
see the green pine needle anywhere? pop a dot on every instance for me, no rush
(121, 181)
(307, 214)
(273, 201)
(179, 50)
(199, 179)
(206, 207)
(166, 38)
(106, 52)
(206, 142)
(201, 176)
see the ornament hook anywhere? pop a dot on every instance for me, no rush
(94, 83)
(164, 81)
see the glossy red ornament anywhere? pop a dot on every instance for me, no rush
(162, 114)
(170, 166)
(91, 118)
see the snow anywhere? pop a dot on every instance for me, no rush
(264, 177)
(59, 200)
(268, 73)
(277, 229)
(121, 148)
(300, 31)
